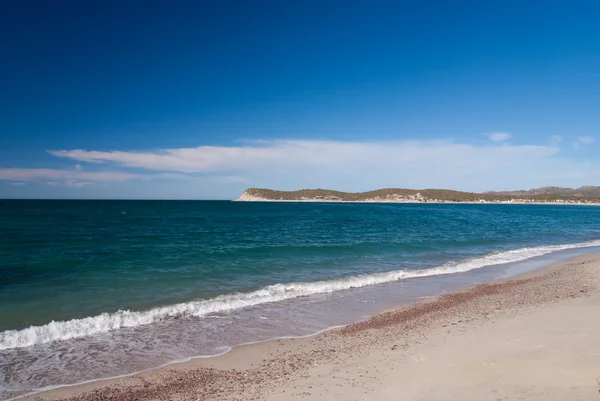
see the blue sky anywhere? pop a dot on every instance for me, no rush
(201, 99)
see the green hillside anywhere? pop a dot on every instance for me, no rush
(426, 195)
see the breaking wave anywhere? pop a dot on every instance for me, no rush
(64, 330)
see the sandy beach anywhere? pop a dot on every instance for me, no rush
(533, 337)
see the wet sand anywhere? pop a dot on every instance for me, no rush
(534, 337)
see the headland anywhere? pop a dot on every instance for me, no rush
(547, 195)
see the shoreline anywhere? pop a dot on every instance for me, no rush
(244, 371)
(265, 200)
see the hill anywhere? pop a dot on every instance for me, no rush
(546, 194)
(585, 191)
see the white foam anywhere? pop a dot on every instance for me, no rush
(64, 330)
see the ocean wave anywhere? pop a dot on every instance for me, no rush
(64, 330)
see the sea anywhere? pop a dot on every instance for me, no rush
(93, 289)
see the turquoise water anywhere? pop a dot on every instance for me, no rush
(142, 283)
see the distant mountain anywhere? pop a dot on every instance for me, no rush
(546, 194)
(582, 192)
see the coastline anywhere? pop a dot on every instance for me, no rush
(545, 195)
(371, 201)
(294, 368)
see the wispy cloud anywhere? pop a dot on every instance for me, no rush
(299, 153)
(292, 164)
(69, 183)
(348, 165)
(583, 140)
(555, 140)
(76, 178)
(36, 174)
(499, 136)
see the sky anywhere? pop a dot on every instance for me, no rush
(202, 99)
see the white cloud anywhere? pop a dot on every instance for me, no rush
(75, 178)
(583, 140)
(300, 153)
(289, 164)
(350, 166)
(555, 140)
(78, 178)
(56, 175)
(68, 183)
(499, 136)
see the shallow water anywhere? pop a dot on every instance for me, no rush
(131, 285)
